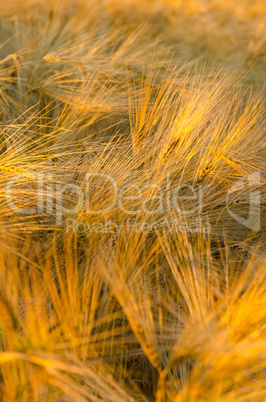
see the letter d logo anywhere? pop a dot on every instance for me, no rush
(253, 220)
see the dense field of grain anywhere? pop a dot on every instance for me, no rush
(132, 200)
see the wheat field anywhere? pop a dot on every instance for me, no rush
(132, 200)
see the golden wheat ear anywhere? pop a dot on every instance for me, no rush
(7, 318)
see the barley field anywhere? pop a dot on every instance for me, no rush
(132, 200)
